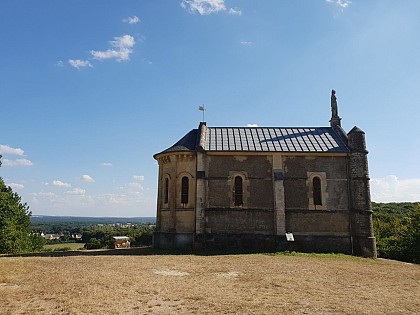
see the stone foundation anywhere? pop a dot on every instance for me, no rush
(302, 243)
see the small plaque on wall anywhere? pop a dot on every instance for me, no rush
(289, 237)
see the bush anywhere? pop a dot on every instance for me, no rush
(93, 243)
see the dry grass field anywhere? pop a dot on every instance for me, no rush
(138, 282)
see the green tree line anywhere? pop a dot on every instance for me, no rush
(15, 226)
(101, 236)
(397, 230)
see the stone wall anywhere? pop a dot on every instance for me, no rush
(174, 216)
(296, 169)
(318, 222)
(239, 221)
(258, 172)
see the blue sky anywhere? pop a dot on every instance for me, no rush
(90, 90)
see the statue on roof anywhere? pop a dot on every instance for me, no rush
(334, 108)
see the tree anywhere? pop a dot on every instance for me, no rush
(411, 238)
(15, 225)
(397, 230)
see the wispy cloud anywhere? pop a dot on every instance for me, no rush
(235, 11)
(18, 162)
(138, 177)
(343, 4)
(204, 7)
(393, 189)
(5, 149)
(59, 183)
(44, 194)
(16, 186)
(135, 186)
(78, 64)
(107, 164)
(146, 61)
(246, 43)
(88, 179)
(132, 20)
(78, 201)
(122, 48)
(76, 191)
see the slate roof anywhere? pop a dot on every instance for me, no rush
(186, 143)
(262, 139)
(276, 139)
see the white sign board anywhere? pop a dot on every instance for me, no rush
(289, 237)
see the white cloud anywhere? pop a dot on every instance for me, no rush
(246, 43)
(235, 11)
(138, 177)
(88, 179)
(343, 4)
(392, 189)
(114, 200)
(252, 125)
(5, 149)
(16, 186)
(59, 183)
(132, 20)
(78, 64)
(44, 194)
(204, 7)
(123, 47)
(106, 164)
(136, 186)
(76, 191)
(18, 162)
(77, 201)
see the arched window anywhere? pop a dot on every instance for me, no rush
(238, 191)
(166, 191)
(317, 195)
(185, 186)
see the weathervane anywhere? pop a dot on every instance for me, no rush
(203, 110)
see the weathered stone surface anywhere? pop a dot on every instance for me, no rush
(239, 221)
(318, 222)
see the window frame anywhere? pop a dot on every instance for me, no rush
(185, 190)
(238, 191)
(317, 191)
(190, 192)
(322, 191)
(245, 189)
(166, 191)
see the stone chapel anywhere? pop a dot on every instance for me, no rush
(247, 187)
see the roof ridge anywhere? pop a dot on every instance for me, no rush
(272, 127)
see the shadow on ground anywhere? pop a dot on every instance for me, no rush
(140, 251)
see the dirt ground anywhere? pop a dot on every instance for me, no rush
(134, 283)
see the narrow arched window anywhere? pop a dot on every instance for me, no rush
(316, 186)
(166, 191)
(238, 191)
(184, 189)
